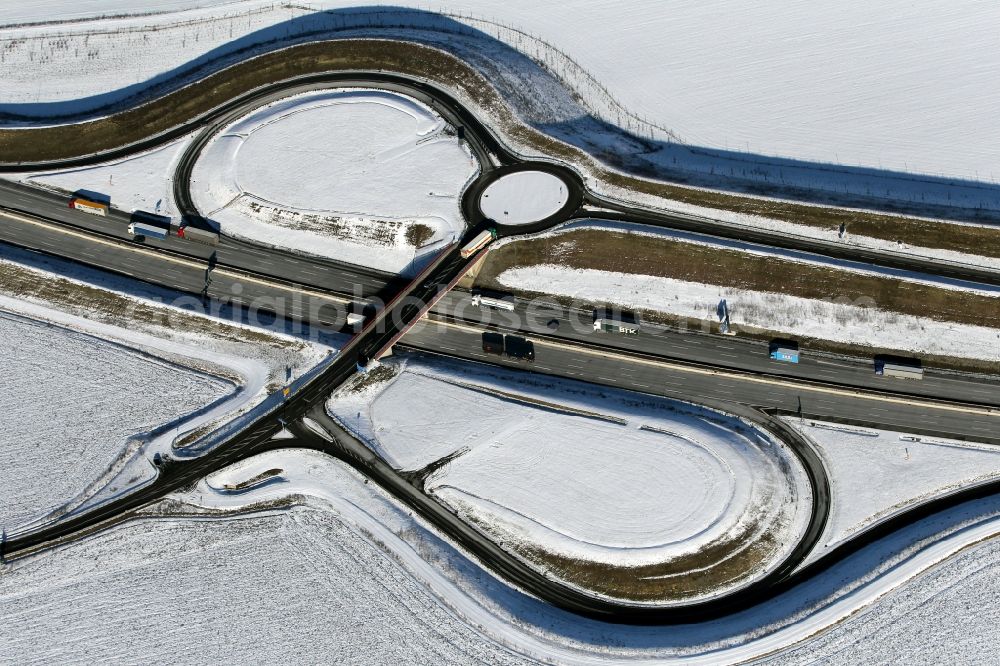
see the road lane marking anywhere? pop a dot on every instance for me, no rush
(853, 393)
(168, 257)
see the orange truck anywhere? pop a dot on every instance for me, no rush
(87, 206)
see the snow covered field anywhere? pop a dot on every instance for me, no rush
(367, 177)
(825, 84)
(582, 474)
(362, 581)
(293, 587)
(107, 373)
(71, 404)
(876, 474)
(90, 64)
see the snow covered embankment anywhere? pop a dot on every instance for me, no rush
(579, 479)
(877, 474)
(361, 176)
(768, 311)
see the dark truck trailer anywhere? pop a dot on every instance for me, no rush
(519, 348)
(145, 224)
(493, 343)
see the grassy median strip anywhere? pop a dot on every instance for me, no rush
(116, 309)
(622, 252)
(640, 254)
(172, 109)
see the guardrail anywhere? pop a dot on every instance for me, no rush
(986, 408)
(627, 207)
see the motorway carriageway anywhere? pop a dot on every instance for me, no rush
(690, 383)
(340, 281)
(186, 274)
(190, 275)
(722, 351)
(294, 268)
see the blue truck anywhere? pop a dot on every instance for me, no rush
(784, 350)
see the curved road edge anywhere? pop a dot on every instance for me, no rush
(513, 569)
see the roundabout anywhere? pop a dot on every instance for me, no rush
(523, 197)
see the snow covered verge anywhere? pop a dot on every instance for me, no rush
(141, 182)
(112, 373)
(619, 493)
(366, 177)
(876, 474)
(363, 581)
(560, 267)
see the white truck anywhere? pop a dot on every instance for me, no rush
(481, 240)
(903, 368)
(609, 325)
(147, 230)
(494, 301)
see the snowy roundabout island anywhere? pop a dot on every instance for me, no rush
(623, 495)
(524, 197)
(366, 177)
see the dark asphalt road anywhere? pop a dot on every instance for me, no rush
(294, 268)
(515, 570)
(294, 300)
(722, 351)
(262, 424)
(698, 383)
(187, 274)
(599, 365)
